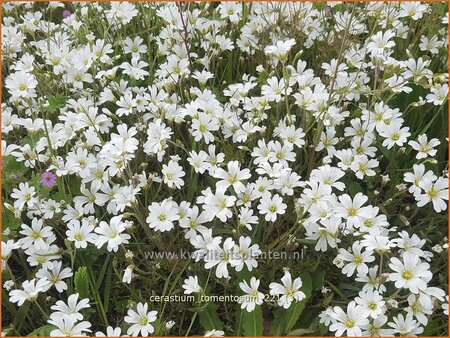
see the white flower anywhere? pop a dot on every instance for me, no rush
(222, 257)
(371, 303)
(173, 173)
(271, 206)
(7, 249)
(157, 133)
(135, 47)
(35, 235)
(246, 253)
(202, 127)
(405, 326)
(233, 176)
(438, 94)
(112, 233)
(214, 333)
(70, 309)
(417, 177)
(356, 259)
(275, 89)
(141, 320)
(445, 306)
(55, 276)
(191, 285)
(350, 322)
(127, 274)
(193, 222)
(68, 327)
(230, 10)
(252, 296)
(424, 147)
(435, 192)
(110, 332)
(288, 291)
(415, 10)
(281, 49)
(23, 195)
(217, 204)
(21, 84)
(353, 210)
(170, 324)
(417, 310)
(162, 215)
(394, 134)
(381, 42)
(81, 234)
(30, 291)
(411, 273)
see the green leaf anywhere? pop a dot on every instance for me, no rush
(302, 332)
(239, 321)
(12, 173)
(335, 289)
(354, 188)
(244, 274)
(81, 281)
(107, 288)
(9, 221)
(285, 319)
(43, 331)
(209, 319)
(55, 102)
(318, 278)
(323, 329)
(432, 329)
(276, 327)
(89, 255)
(296, 308)
(20, 315)
(252, 322)
(306, 241)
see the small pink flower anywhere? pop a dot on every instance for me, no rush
(66, 13)
(48, 179)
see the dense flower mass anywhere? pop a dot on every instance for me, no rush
(180, 168)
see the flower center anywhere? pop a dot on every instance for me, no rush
(273, 208)
(290, 292)
(79, 237)
(368, 223)
(432, 193)
(374, 331)
(372, 305)
(36, 235)
(233, 179)
(352, 212)
(349, 323)
(358, 260)
(143, 321)
(407, 274)
(193, 224)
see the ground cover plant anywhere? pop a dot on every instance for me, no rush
(227, 168)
